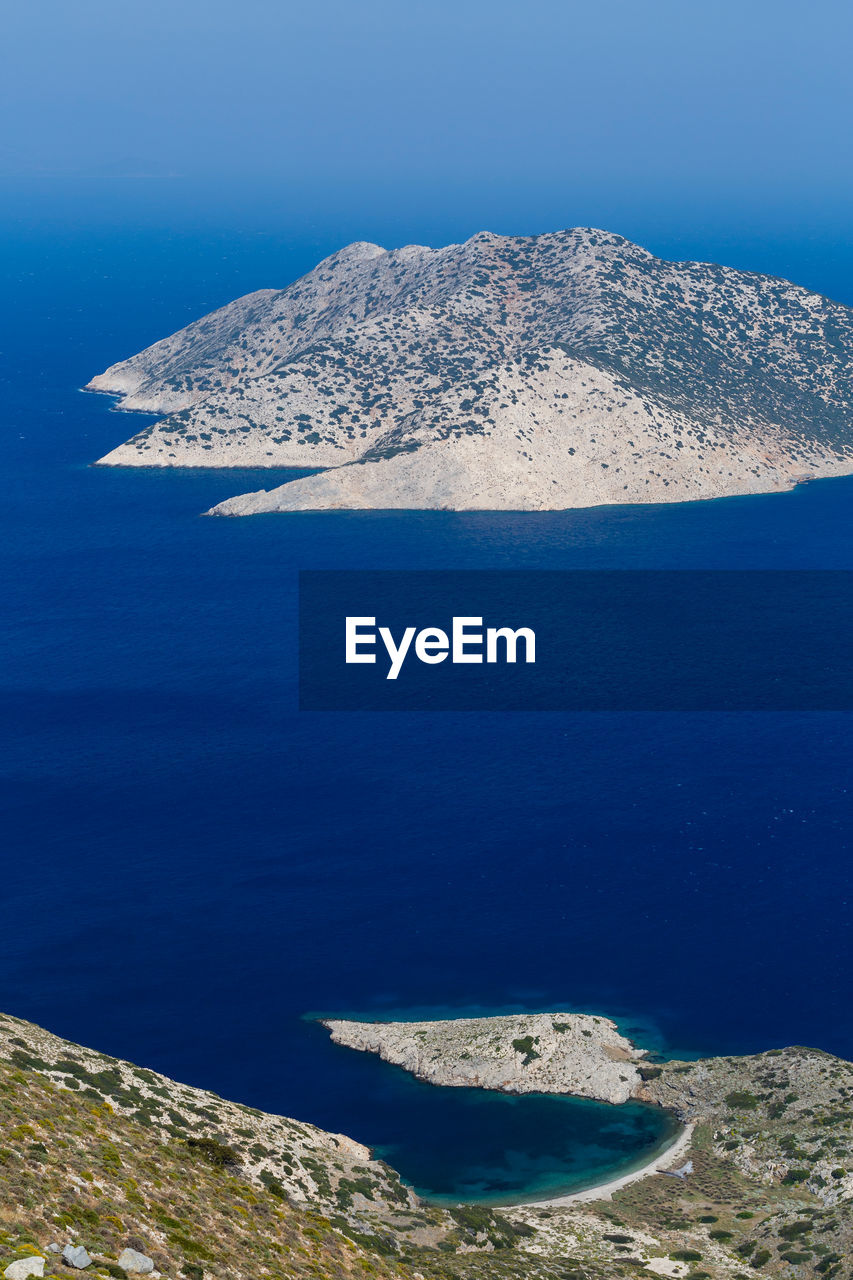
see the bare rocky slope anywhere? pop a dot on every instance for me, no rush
(528, 373)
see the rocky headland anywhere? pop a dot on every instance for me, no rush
(526, 373)
(570, 1053)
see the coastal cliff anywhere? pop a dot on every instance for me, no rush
(527, 373)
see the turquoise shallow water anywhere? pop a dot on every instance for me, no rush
(495, 1149)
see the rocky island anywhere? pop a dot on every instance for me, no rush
(525, 373)
(116, 1170)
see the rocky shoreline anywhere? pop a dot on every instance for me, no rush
(114, 1170)
(585, 1056)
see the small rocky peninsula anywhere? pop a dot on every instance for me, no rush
(116, 1170)
(569, 1053)
(506, 373)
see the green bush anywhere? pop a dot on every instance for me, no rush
(213, 1152)
(741, 1100)
(792, 1230)
(524, 1045)
(273, 1186)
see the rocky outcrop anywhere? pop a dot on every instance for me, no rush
(566, 1053)
(529, 373)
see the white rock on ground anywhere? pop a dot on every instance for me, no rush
(135, 1262)
(22, 1268)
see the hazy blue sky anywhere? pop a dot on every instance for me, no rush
(517, 115)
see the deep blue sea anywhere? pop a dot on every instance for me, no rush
(191, 866)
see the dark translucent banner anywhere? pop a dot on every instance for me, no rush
(576, 640)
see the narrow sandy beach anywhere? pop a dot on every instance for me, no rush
(664, 1160)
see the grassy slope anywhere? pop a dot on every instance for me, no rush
(71, 1169)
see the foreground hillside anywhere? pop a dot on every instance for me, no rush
(102, 1156)
(99, 1153)
(73, 1172)
(506, 372)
